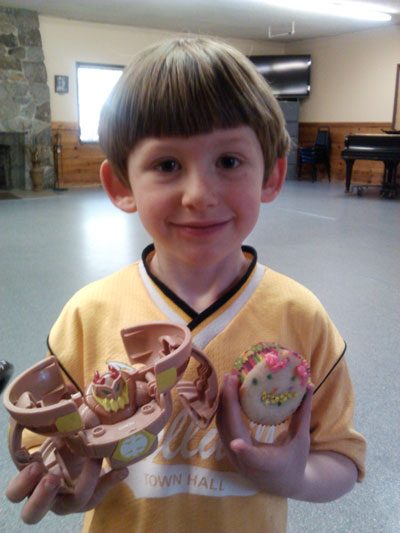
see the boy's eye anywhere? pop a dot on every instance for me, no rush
(228, 161)
(168, 165)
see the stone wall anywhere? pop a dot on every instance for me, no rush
(24, 93)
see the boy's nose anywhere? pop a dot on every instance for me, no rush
(199, 191)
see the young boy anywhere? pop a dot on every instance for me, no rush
(195, 142)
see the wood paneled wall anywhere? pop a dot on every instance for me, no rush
(368, 172)
(79, 163)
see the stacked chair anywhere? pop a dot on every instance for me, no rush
(317, 154)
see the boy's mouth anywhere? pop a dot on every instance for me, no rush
(201, 227)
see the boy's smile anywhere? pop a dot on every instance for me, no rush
(198, 229)
(199, 198)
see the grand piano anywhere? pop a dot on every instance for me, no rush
(383, 147)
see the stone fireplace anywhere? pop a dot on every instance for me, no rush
(12, 161)
(25, 100)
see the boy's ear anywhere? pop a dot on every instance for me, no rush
(275, 182)
(120, 195)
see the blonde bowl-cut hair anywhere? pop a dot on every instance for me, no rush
(189, 86)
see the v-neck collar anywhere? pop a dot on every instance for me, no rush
(195, 318)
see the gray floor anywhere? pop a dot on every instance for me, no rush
(344, 248)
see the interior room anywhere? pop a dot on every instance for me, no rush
(333, 228)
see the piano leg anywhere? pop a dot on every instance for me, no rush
(389, 185)
(349, 170)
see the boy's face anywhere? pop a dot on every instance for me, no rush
(199, 197)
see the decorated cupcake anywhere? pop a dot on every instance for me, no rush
(273, 382)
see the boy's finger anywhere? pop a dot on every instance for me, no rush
(300, 422)
(24, 482)
(257, 458)
(105, 483)
(85, 486)
(229, 414)
(41, 499)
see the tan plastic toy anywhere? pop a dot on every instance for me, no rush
(120, 412)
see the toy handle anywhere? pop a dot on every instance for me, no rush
(19, 453)
(200, 397)
(48, 454)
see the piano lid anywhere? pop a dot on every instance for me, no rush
(374, 135)
(374, 142)
(391, 132)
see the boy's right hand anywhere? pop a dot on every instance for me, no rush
(41, 489)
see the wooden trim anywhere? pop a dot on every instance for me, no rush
(65, 126)
(348, 124)
(368, 172)
(78, 163)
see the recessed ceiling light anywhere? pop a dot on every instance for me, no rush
(353, 10)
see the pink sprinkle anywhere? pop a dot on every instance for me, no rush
(302, 372)
(274, 362)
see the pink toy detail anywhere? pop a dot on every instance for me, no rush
(97, 378)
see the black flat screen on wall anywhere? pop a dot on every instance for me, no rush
(288, 75)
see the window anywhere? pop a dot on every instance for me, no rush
(94, 85)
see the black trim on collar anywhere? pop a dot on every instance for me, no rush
(196, 317)
(225, 297)
(166, 290)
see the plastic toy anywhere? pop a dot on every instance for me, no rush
(121, 411)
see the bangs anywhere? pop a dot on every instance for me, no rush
(188, 109)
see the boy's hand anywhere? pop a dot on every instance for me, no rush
(41, 488)
(275, 468)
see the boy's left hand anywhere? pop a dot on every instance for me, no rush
(276, 468)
